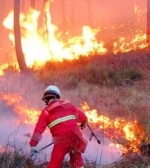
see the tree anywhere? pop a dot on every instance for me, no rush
(17, 36)
(33, 4)
(148, 21)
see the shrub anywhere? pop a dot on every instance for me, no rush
(13, 160)
(132, 74)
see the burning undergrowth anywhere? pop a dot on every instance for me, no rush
(120, 137)
(113, 94)
(119, 121)
(57, 43)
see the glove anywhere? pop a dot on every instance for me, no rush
(34, 149)
(83, 125)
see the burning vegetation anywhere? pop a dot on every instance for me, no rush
(108, 75)
(58, 45)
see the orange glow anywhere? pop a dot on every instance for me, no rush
(26, 115)
(29, 116)
(126, 135)
(43, 44)
(2, 67)
(135, 7)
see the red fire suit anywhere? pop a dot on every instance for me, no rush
(62, 118)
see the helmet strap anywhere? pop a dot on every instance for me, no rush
(48, 100)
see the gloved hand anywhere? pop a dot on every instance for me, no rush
(83, 125)
(34, 149)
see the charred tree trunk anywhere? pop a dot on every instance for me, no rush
(46, 21)
(43, 11)
(44, 2)
(17, 36)
(42, 15)
(148, 21)
(33, 4)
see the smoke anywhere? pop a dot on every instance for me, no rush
(102, 14)
(101, 154)
(112, 19)
(16, 134)
(13, 87)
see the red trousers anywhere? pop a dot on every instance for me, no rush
(58, 154)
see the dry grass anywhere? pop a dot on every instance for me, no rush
(125, 93)
(117, 86)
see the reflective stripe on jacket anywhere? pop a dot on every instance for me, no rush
(59, 120)
(60, 117)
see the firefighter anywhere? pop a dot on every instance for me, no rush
(63, 120)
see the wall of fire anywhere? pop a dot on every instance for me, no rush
(113, 18)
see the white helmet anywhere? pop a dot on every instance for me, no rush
(51, 91)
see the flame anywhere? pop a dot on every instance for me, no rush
(26, 115)
(127, 135)
(40, 46)
(45, 43)
(30, 116)
(135, 7)
(2, 67)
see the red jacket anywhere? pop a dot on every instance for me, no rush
(62, 118)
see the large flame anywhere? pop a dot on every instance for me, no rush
(46, 43)
(26, 115)
(127, 135)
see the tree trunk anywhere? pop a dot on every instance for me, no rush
(44, 2)
(17, 36)
(148, 21)
(33, 4)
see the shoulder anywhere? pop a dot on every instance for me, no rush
(65, 101)
(44, 112)
(66, 104)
